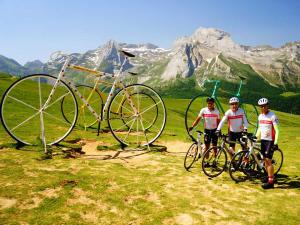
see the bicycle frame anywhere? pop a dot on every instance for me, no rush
(252, 147)
(117, 82)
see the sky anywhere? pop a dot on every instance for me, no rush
(33, 29)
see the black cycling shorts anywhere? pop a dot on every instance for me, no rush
(210, 137)
(267, 149)
(234, 137)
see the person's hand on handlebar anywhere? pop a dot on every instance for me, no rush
(190, 129)
(218, 133)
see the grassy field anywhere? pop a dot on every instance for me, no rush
(108, 185)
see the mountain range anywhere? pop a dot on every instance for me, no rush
(182, 70)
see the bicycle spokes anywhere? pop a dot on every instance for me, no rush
(28, 119)
(214, 161)
(138, 119)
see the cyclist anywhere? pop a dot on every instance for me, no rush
(268, 131)
(237, 123)
(211, 117)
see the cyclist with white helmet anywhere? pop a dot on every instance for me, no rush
(237, 123)
(211, 117)
(268, 131)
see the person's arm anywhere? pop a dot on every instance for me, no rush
(258, 133)
(196, 121)
(245, 121)
(276, 127)
(224, 119)
(218, 119)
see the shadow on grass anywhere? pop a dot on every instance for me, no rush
(123, 152)
(283, 181)
(21, 147)
(288, 182)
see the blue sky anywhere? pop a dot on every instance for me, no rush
(33, 29)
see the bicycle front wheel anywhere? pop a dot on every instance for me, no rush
(190, 156)
(136, 115)
(242, 166)
(25, 116)
(214, 161)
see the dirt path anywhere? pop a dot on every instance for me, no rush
(131, 156)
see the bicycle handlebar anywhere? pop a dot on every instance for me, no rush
(248, 137)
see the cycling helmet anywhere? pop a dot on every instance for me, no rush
(233, 100)
(210, 99)
(263, 101)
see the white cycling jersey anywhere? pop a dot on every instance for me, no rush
(210, 118)
(237, 121)
(266, 125)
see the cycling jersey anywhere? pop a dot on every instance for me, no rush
(210, 118)
(266, 126)
(237, 121)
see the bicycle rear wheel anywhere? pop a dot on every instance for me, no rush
(22, 115)
(141, 125)
(214, 161)
(277, 160)
(190, 156)
(85, 117)
(142, 96)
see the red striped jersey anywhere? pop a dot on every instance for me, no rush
(266, 125)
(237, 121)
(210, 118)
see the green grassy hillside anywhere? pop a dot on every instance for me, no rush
(111, 186)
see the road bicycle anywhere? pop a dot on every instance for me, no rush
(195, 152)
(199, 102)
(250, 163)
(43, 108)
(215, 159)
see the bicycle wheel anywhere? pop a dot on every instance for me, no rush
(242, 166)
(149, 112)
(277, 160)
(146, 96)
(214, 161)
(22, 115)
(85, 117)
(252, 117)
(190, 156)
(192, 112)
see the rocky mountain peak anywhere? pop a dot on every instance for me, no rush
(210, 34)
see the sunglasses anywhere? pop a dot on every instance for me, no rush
(234, 103)
(263, 106)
